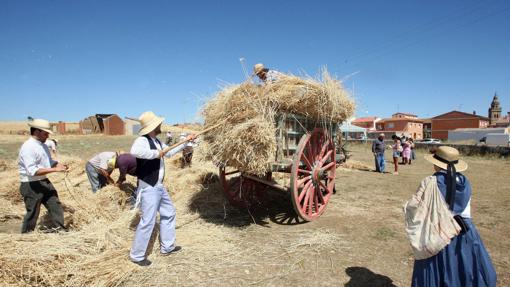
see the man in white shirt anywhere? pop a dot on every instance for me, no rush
(34, 163)
(52, 146)
(169, 137)
(266, 75)
(98, 171)
(187, 152)
(152, 196)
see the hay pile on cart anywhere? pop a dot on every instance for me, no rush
(246, 140)
(285, 126)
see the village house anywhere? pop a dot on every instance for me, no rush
(401, 124)
(441, 124)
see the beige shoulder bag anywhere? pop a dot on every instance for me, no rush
(429, 223)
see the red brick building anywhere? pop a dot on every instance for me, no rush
(404, 116)
(108, 124)
(441, 124)
(408, 126)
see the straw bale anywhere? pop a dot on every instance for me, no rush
(246, 138)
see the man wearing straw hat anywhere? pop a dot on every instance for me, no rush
(126, 163)
(34, 163)
(98, 171)
(266, 75)
(152, 196)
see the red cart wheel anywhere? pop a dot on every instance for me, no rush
(242, 191)
(313, 174)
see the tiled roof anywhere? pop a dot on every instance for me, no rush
(400, 120)
(365, 119)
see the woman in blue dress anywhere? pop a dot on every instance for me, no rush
(465, 261)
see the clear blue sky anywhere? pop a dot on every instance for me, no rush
(64, 60)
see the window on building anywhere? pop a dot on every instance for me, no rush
(391, 125)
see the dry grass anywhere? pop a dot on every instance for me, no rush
(14, 127)
(246, 138)
(359, 240)
(94, 251)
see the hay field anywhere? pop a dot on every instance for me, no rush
(359, 241)
(13, 127)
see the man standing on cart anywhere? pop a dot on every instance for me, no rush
(266, 75)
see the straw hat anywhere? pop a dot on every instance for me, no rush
(112, 162)
(258, 68)
(446, 154)
(381, 134)
(40, 124)
(149, 122)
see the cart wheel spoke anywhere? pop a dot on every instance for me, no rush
(323, 150)
(302, 181)
(304, 171)
(325, 157)
(307, 162)
(310, 200)
(321, 196)
(329, 165)
(304, 191)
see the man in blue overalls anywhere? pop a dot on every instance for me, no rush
(152, 196)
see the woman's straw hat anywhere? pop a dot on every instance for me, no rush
(445, 154)
(149, 122)
(258, 68)
(40, 124)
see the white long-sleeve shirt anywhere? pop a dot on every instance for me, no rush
(33, 156)
(141, 149)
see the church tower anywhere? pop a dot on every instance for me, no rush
(494, 111)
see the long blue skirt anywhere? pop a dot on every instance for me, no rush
(464, 262)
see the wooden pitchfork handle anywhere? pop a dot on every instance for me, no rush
(168, 148)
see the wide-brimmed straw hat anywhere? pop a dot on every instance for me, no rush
(40, 124)
(445, 155)
(112, 162)
(149, 122)
(258, 68)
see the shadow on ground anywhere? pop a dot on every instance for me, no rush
(362, 277)
(212, 206)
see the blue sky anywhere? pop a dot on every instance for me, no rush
(64, 60)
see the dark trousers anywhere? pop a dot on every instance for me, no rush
(34, 193)
(187, 156)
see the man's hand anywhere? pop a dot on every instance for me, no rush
(161, 154)
(61, 167)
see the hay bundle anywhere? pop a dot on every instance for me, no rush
(246, 140)
(253, 148)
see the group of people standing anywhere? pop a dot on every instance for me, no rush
(402, 147)
(145, 161)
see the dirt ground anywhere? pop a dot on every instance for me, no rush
(358, 241)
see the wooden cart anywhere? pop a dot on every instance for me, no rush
(306, 150)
